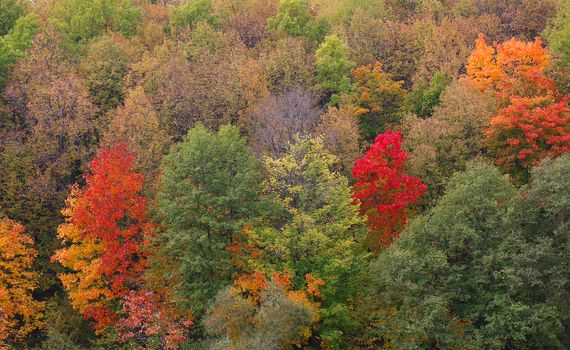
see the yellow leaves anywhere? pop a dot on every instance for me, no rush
(80, 257)
(20, 314)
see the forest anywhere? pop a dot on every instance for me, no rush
(284, 174)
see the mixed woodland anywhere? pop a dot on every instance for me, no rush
(284, 174)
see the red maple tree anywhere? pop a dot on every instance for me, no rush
(383, 190)
(105, 233)
(523, 134)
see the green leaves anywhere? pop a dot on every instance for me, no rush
(460, 274)
(333, 68)
(82, 20)
(14, 44)
(191, 12)
(210, 190)
(322, 234)
(294, 18)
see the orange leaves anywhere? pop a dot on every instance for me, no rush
(252, 285)
(533, 125)
(313, 284)
(20, 314)
(104, 233)
(511, 69)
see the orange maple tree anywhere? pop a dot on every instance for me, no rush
(104, 235)
(513, 70)
(20, 314)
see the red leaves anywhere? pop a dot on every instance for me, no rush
(523, 134)
(145, 318)
(383, 190)
(533, 125)
(106, 222)
(115, 212)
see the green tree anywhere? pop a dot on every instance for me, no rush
(322, 233)
(14, 44)
(294, 18)
(333, 68)
(105, 66)
(10, 11)
(209, 191)
(82, 20)
(461, 275)
(558, 36)
(424, 97)
(191, 12)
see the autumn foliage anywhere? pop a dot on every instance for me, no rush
(513, 69)
(104, 234)
(534, 121)
(146, 320)
(522, 134)
(230, 174)
(378, 99)
(20, 314)
(383, 190)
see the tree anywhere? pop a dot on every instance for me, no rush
(338, 128)
(209, 191)
(513, 69)
(277, 119)
(523, 134)
(423, 98)
(10, 11)
(320, 235)
(209, 90)
(20, 313)
(458, 273)
(383, 191)
(82, 20)
(558, 33)
(247, 18)
(333, 68)
(53, 134)
(105, 66)
(378, 99)
(104, 236)
(15, 42)
(276, 319)
(136, 124)
(526, 18)
(398, 45)
(148, 324)
(446, 44)
(443, 144)
(287, 63)
(294, 18)
(191, 12)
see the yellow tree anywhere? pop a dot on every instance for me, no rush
(20, 314)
